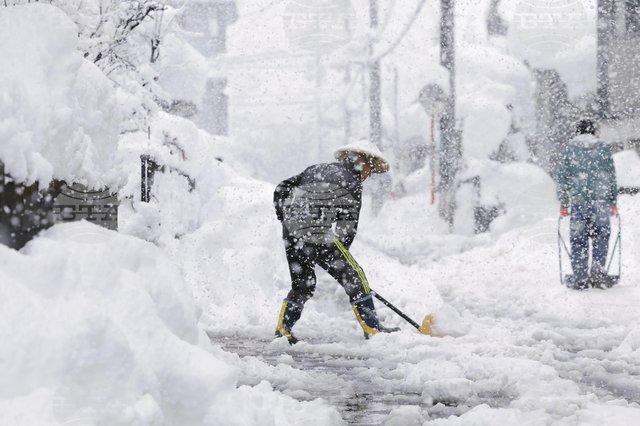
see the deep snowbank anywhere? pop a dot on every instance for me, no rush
(184, 192)
(59, 115)
(101, 327)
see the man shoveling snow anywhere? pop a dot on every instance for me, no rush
(319, 210)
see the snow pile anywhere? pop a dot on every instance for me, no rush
(182, 70)
(59, 115)
(493, 84)
(524, 193)
(100, 327)
(236, 259)
(183, 190)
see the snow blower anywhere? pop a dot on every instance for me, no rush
(427, 323)
(609, 280)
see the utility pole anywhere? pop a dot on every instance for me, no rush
(318, 104)
(396, 115)
(434, 101)
(432, 158)
(450, 147)
(347, 111)
(606, 29)
(375, 107)
(347, 83)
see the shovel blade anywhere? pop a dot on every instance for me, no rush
(427, 325)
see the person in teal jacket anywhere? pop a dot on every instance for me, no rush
(588, 193)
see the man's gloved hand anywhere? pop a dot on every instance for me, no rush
(564, 212)
(614, 211)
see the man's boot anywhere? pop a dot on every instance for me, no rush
(289, 315)
(368, 318)
(599, 279)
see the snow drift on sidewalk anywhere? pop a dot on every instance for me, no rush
(101, 327)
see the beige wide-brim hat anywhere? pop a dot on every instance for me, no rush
(369, 151)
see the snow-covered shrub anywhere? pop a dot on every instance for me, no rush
(60, 116)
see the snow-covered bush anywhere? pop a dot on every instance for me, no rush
(59, 115)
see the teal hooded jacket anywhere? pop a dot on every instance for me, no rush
(586, 172)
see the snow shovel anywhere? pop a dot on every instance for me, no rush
(427, 323)
(610, 279)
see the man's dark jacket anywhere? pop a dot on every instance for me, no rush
(321, 204)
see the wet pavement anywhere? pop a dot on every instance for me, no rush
(367, 388)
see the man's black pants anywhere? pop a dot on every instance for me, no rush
(333, 258)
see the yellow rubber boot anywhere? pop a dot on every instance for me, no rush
(289, 315)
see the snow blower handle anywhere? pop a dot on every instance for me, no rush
(427, 323)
